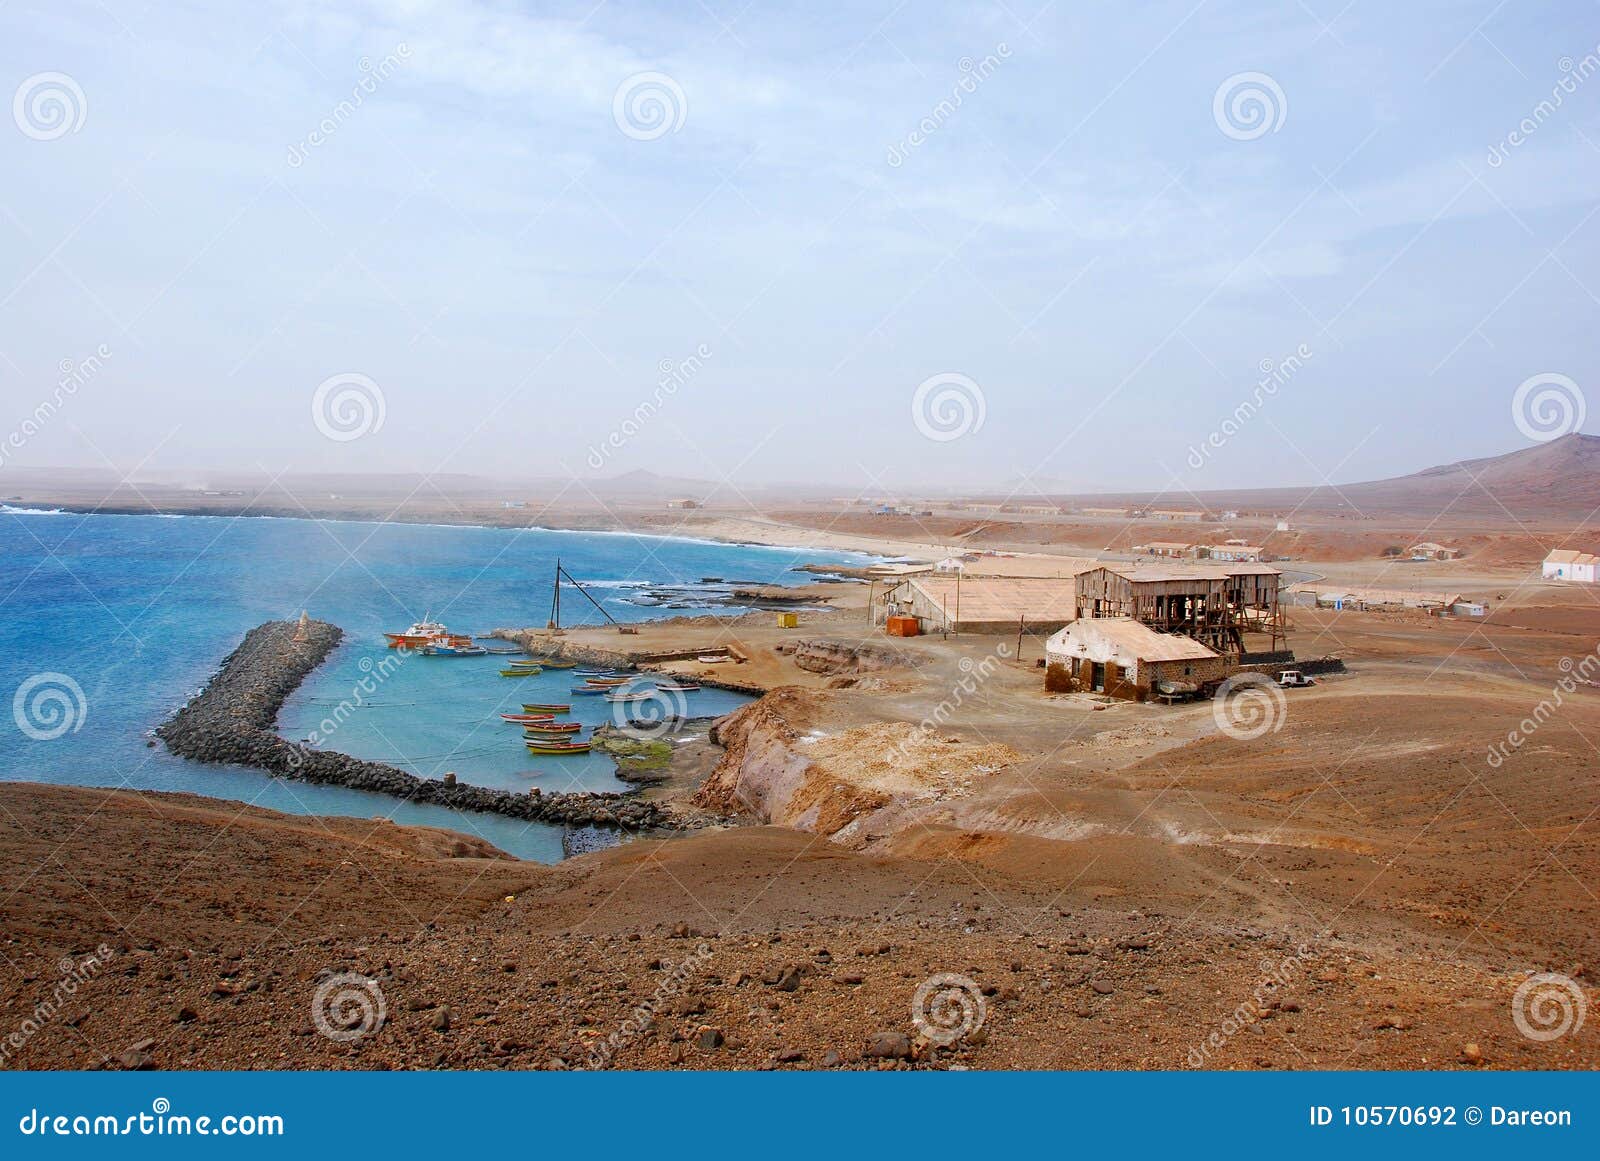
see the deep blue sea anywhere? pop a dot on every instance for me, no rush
(139, 610)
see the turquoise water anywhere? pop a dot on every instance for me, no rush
(139, 610)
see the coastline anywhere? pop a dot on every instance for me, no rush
(712, 528)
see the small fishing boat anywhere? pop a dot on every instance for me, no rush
(607, 682)
(550, 663)
(589, 690)
(533, 665)
(519, 673)
(642, 695)
(454, 647)
(554, 747)
(549, 729)
(526, 719)
(679, 688)
(710, 659)
(542, 707)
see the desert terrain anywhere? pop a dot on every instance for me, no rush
(904, 836)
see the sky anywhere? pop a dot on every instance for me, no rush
(871, 245)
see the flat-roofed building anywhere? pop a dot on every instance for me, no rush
(1567, 564)
(979, 604)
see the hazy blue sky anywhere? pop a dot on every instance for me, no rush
(1086, 236)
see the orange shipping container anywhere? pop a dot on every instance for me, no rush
(903, 627)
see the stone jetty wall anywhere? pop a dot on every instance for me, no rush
(233, 720)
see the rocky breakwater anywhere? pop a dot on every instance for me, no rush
(232, 720)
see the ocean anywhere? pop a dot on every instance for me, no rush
(138, 611)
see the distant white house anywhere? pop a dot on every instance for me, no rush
(951, 564)
(1568, 564)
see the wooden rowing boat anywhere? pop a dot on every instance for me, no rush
(643, 695)
(527, 718)
(543, 707)
(589, 690)
(550, 728)
(549, 664)
(559, 747)
(607, 682)
(519, 673)
(680, 688)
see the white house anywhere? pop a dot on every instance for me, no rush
(1567, 564)
(1126, 659)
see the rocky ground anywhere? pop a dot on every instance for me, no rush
(294, 943)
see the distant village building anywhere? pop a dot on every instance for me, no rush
(685, 503)
(1176, 549)
(1246, 553)
(1428, 550)
(1570, 565)
(1192, 515)
(1105, 511)
(1039, 509)
(1120, 657)
(951, 564)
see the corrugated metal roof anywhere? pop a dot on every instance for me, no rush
(1571, 556)
(1211, 572)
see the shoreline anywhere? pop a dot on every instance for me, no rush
(799, 538)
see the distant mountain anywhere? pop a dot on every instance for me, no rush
(1559, 480)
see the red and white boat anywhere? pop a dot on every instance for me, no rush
(426, 632)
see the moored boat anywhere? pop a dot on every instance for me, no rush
(552, 663)
(527, 719)
(550, 729)
(642, 695)
(454, 647)
(421, 633)
(554, 747)
(519, 673)
(679, 688)
(588, 690)
(607, 682)
(544, 707)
